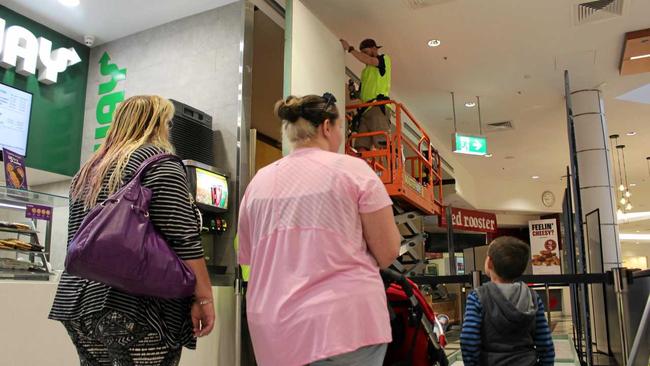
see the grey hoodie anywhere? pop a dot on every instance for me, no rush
(508, 325)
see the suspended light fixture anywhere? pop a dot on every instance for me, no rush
(620, 179)
(625, 191)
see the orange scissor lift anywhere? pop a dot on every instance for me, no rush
(411, 169)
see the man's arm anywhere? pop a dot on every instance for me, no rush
(543, 340)
(362, 57)
(470, 335)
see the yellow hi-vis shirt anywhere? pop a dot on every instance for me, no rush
(245, 270)
(375, 80)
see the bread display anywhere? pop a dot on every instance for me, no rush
(13, 264)
(19, 244)
(15, 226)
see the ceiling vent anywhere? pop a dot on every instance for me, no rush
(419, 4)
(499, 126)
(594, 11)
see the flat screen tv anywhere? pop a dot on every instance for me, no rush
(15, 112)
(209, 187)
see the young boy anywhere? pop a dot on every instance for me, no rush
(504, 320)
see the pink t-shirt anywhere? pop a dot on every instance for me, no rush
(315, 289)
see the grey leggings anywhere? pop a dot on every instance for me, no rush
(366, 356)
(112, 339)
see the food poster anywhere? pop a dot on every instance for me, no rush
(544, 248)
(15, 172)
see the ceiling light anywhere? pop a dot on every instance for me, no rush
(628, 194)
(631, 133)
(434, 43)
(488, 155)
(535, 177)
(647, 55)
(7, 205)
(70, 3)
(621, 188)
(632, 184)
(625, 218)
(470, 104)
(628, 207)
(637, 237)
(623, 201)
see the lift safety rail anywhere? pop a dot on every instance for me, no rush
(408, 164)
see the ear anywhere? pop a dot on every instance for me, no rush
(327, 128)
(488, 264)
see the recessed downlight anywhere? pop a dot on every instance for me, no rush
(470, 104)
(632, 184)
(488, 155)
(434, 43)
(631, 133)
(70, 3)
(535, 177)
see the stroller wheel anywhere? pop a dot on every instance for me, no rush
(441, 358)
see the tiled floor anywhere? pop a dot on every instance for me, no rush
(562, 332)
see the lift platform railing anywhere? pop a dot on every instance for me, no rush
(408, 164)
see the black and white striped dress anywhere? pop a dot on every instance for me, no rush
(178, 219)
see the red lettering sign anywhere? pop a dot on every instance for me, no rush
(470, 220)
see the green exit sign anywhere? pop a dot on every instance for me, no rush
(468, 144)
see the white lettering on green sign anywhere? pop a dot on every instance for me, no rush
(20, 49)
(467, 144)
(109, 98)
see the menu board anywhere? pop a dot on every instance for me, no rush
(211, 189)
(544, 248)
(15, 110)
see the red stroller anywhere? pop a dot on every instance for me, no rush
(418, 336)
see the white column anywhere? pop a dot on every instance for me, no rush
(597, 187)
(596, 170)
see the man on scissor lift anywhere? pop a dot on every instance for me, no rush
(375, 86)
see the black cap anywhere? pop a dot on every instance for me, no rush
(368, 43)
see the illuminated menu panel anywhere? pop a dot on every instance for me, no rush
(211, 189)
(15, 109)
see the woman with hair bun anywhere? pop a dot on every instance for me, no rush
(315, 227)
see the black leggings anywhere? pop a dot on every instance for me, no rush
(113, 339)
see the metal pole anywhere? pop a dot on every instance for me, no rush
(620, 289)
(480, 122)
(575, 177)
(453, 106)
(450, 242)
(238, 315)
(640, 336)
(548, 303)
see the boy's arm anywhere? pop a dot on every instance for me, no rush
(470, 336)
(543, 340)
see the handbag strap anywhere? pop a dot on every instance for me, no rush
(151, 161)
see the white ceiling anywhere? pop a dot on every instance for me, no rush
(108, 20)
(510, 53)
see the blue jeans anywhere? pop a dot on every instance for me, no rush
(366, 356)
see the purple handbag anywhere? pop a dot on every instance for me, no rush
(119, 246)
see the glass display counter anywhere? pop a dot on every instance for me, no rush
(26, 227)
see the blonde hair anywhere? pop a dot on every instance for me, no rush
(139, 120)
(301, 116)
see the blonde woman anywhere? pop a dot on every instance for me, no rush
(110, 327)
(315, 227)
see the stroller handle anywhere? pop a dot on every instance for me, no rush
(391, 276)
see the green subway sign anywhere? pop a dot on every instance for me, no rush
(109, 98)
(468, 144)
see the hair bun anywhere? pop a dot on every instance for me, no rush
(289, 109)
